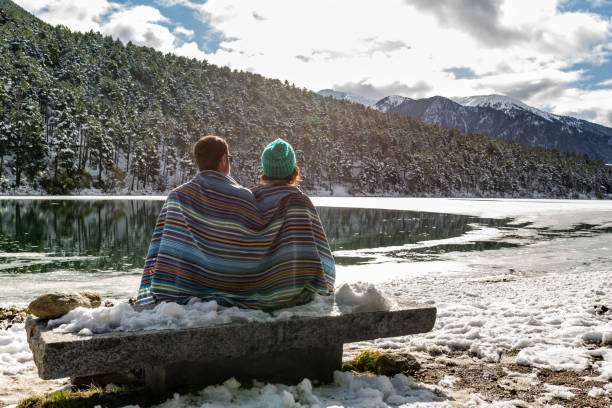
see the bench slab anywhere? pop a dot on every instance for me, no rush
(301, 346)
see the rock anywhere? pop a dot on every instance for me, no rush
(56, 304)
(10, 316)
(601, 309)
(390, 364)
(592, 337)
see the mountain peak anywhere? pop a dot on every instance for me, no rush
(390, 102)
(502, 103)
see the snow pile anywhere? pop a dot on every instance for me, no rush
(448, 381)
(348, 390)
(557, 391)
(596, 392)
(604, 365)
(15, 355)
(554, 358)
(370, 300)
(122, 317)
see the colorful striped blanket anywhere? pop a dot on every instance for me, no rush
(216, 240)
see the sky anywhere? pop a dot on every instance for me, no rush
(555, 55)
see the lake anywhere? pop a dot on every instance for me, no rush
(57, 243)
(100, 244)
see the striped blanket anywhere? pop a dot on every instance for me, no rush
(216, 240)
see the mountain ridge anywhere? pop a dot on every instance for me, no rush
(501, 102)
(506, 118)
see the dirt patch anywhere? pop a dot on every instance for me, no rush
(507, 380)
(11, 315)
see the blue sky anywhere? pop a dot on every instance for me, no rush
(180, 15)
(555, 55)
(594, 74)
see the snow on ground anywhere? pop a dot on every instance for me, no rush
(347, 390)
(15, 355)
(18, 377)
(539, 300)
(550, 320)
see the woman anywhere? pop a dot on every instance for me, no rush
(300, 263)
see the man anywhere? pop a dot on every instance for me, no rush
(212, 241)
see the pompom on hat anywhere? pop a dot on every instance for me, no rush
(278, 159)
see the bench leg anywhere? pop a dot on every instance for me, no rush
(323, 362)
(288, 367)
(155, 379)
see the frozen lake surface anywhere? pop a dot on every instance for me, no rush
(524, 276)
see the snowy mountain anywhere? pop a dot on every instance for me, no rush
(347, 96)
(509, 119)
(390, 102)
(503, 103)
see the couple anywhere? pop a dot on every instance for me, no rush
(260, 248)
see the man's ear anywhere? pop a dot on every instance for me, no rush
(222, 167)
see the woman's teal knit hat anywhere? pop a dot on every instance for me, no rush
(278, 159)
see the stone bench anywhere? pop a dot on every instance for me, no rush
(186, 359)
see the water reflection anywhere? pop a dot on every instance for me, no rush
(105, 235)
(42, 236)
(351, 229)
(356, 228)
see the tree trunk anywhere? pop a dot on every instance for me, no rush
(81, 149)
(132, 183)
(100, 167)
(129, 151)
(85, 154)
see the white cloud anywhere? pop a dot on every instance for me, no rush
(359, 44)
(75, 14)
(607, 82)
(576, 101)
(190, 50)
(142, 25)
(411, 47)
(182, 30)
